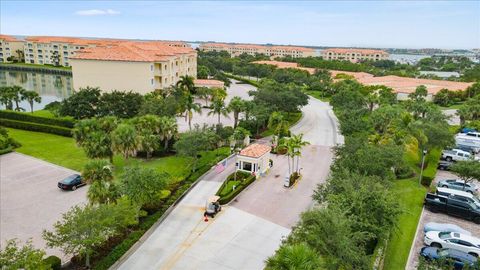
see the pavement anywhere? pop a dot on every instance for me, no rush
(30, 200)
(428, 216)
(235, 89)
(248, 230)
(454, 119)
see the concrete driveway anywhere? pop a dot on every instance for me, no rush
(30, 200)
(236, 89)
(251, 228)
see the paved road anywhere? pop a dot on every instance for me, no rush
(30, 200)
(251, 228)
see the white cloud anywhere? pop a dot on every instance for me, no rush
(96, 12)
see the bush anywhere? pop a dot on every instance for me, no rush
(246, 180)
(36, 119)
(54, 262)
(62, 131)
(6, 150)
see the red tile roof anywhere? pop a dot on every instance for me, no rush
(255, 46)
(208, 83)
(255, 150)
(359, 51)
(9, 38)
(133, 51)
(280, 64)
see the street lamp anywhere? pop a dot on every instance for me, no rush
(424, 153)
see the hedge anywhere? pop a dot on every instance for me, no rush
(54, 262)
(62, 131)
(241, 79)
(227, 198)
(6, 150)
(36, 119)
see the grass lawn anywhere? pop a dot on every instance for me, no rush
(292, 119)
(452, 107)
(229, 187)
(411, 196)
(318, 95)
(35, 66)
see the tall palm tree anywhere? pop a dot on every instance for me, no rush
(21, 55)
(169, 129)
(187, 84)
(31, 97)
(298, 142)
(278, 124)
(124, 140)
(190, 107)
(147, 141)
(236, 105)
(219, 108)
(294, 256)
(18, 96)
(6, 97)
(98, 173)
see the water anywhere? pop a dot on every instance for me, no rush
(51, 87)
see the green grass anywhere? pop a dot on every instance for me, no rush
(228, 187)
(318, 95)
(410, 195)
(38, 66)
(52, 148)
(452, 107)
(292, 119)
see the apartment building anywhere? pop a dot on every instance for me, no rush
(10, 47)
(354, 55)
(138, 66)
(272, 51)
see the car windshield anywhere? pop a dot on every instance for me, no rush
(444, 235)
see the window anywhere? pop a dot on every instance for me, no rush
(247, 166)
(151, 67)
(151, 81)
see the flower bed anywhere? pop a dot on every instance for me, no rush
(234, 185)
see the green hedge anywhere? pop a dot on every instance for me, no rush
(244, 80)
(36, 119)
(245, 183)
(54, 262)
(6, 150)
(62, 131)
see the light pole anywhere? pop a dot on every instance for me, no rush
(424, 153)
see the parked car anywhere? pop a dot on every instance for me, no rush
(468, 139)
(454, 207)
(466, 130)
(459, 185)
(444, 227)
(468, 148)
(453, 240)
(456, 155)
(458, 258)
(458, 195)
(444, 165)
(72, 182)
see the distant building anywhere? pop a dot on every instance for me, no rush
(354, 55)
(138, 66)
(10, 47)
(272, 51)
(208, 83)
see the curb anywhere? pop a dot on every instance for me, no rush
(150, 231)
(410, 254)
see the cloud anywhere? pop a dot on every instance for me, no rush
(97, 12)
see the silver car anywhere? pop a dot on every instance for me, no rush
(458, 185)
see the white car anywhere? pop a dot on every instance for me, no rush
(457, 155)
(453, 240)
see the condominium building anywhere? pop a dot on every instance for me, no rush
(354, 55)
(10, 47)
(272, 51)
(138, 66)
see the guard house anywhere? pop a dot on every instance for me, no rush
(254, 159)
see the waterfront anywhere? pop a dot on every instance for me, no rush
(51, 87)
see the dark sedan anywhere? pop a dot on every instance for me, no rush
(71, 183)
(458, 258)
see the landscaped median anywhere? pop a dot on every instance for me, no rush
(235, 183)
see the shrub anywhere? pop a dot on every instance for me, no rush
(245, 182)
(36, 119)
(6, 150)
(54, 262)
(62, 131)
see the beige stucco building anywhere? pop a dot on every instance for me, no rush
(272, 51)
(354, 55)
(138, 66)
(10, 47)
(254, 159)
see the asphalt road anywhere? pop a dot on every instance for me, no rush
(251, 228)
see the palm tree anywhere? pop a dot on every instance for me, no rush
(98, 173)
(294, 256)
(124, 140)
(287, 143)
(236, 105)
(6, 97)
(191, 106)
(18, 95)
(169, 129)
(187, 84)
(31, 97)
(297, 144)
(21, 55)
(147, 142)
(278, 124)
(219, 108)
(204, 93)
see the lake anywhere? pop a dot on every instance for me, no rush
(51, 87)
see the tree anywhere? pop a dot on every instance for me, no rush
(468, 171)
(278, 124)
(294, 256)
(93, 135)
(124, 140)
(442, 98)
(119, 104)
(187, 84)
(13, 257)
(297, 144)
(202, 72)
(191, 143)
(219, 108)
(236, 105)
(417, 103)
(31, 97)
(6, 97)
(98, 173)
(473, 90)
(82, 229)
(169, 129)
(190, 107)
(18, 94)
(143, 186)
(204, 93)
(81, 104)
(147, 142)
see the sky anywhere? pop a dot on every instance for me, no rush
(379, 24)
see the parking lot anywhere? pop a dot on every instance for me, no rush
(428, 216)
(30, 200)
